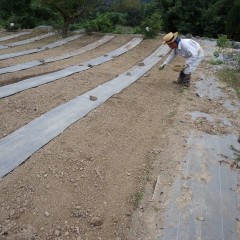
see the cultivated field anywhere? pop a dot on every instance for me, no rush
(95, 141)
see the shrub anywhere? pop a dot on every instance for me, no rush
(223, 42)
(12, 24)
(74, 27)
(123, 29)
(102, 23)
(117, 18)
(152, 25)
(2, 23)
(137, 30)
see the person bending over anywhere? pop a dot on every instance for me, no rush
(187, 48)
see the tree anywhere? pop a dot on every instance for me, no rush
(70, 9)
(181, 15)
(214, 17)
(13, 7)
(133, 9)
(25, 13)
(14, 11)
(233, 23)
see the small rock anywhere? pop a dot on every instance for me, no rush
(57, 233)
(77, 230)
(141, 64)
(93, 98)
(147, 75)
(200, 218)
(128, 74)
(46, 214)
(96, 221)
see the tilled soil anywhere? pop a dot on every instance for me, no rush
(89, 182)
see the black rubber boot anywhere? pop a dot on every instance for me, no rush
(184, 79)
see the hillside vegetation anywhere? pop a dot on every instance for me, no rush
(198, 17)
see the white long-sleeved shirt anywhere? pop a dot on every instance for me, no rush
(189, 49)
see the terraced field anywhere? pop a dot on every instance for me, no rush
(93, 137)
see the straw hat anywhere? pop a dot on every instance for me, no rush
(170, 37)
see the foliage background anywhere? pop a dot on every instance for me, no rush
(207, 18)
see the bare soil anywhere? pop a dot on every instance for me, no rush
(97, 179)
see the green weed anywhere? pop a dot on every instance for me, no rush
(231, 77)
(138, 199)
(215, 62)
(171, 114)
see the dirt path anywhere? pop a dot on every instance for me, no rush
(96, 179)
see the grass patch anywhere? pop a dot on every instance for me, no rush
(181, 90)
(231, 77)
(215, 62)
(123, 30)
(171, 114)
(138, 199)
(156, 209)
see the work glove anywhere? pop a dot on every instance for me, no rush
(161, 67)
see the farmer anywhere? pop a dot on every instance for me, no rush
(187, 48)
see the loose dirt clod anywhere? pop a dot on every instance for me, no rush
(96, 221)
